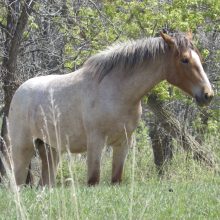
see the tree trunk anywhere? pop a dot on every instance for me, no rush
(173, 127)
(162, 146)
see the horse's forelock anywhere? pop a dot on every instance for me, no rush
(183, 43)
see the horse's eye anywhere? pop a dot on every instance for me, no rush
(185, 60)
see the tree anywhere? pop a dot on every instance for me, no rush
(175, 128)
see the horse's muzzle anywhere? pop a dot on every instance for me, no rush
(204, 99)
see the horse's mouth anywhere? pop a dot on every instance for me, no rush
(202, 101)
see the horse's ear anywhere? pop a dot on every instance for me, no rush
(168, 39)
(189, 35)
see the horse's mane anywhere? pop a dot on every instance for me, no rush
(131, 53)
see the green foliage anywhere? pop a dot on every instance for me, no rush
(213, 126)
(32, 24)
(3, 16)
(141, 135)
(205, 53)
(162, 90)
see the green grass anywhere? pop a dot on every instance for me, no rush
(150, 200)
(187, 190)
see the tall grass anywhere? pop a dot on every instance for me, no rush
(187, 189)
(182, 193)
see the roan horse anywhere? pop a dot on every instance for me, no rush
(99, 104)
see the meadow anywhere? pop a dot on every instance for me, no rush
(186, 190)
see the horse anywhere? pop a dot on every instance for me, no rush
(99, 104)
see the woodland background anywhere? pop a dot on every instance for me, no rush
(41, 37)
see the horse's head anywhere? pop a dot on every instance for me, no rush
(185, 68)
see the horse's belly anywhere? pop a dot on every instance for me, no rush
(65, 138)
(78, 149)
(77, 145)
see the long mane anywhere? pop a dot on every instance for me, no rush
(132, 53)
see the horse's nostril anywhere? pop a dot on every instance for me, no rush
(207, 96)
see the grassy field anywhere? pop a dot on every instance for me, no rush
(150, 200)
(187, 190)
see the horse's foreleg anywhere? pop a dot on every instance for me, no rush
(119, 155)
(95, 145)
(50, 160)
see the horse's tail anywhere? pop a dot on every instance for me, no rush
(4, 147)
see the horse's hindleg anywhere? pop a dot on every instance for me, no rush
(119, 155)
(21, 158)
(50, 160)
(30, 178)
(95, 145)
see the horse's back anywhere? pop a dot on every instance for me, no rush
(29, 93)
(39, 101)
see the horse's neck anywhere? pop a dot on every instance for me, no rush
(142, 80)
